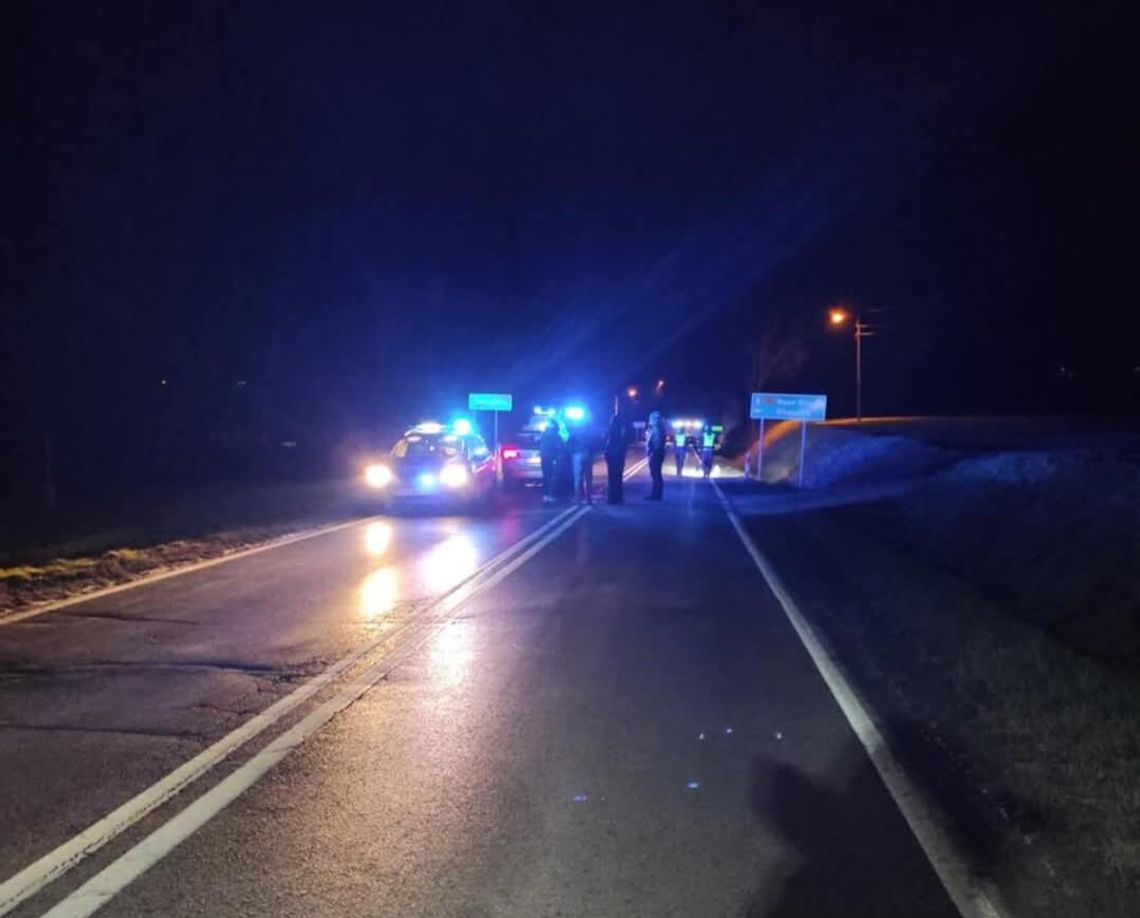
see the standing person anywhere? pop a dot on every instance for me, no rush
(655, 450)
(708, 447)
(549, 451)
(617, 440)
(581, 445)
(680, 449)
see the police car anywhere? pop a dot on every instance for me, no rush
(434, 463)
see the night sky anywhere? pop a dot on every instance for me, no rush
(315, 220)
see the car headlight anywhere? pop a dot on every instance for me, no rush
(453, 476)
(378, 476)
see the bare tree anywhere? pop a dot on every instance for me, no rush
(779, 353)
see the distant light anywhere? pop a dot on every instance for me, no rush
(580, 798)
(631, 391)
(510, 452)
(838, 316)
(240, 383)
(575, 413)
(162, 382)
(693, 785)
(462, 427)
(677, 425)
(429, 427)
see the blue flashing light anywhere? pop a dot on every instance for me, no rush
(461, 427)
(575, 413)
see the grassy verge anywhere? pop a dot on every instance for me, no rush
(1032, 747)
(47, 559)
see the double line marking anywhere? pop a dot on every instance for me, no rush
(100, 888)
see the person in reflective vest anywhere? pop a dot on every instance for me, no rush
(680, 448)
(708, 448)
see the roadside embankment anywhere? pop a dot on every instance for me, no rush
(987, 603)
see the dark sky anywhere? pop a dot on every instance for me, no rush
(366, 209)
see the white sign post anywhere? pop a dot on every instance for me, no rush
(782, 406)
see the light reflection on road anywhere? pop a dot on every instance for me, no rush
(451, 653)
(377, 538)
(378, 593)
(452, 560)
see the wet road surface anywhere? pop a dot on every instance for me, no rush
(614, 719)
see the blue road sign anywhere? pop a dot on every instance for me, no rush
(488, 401)
(782, 406)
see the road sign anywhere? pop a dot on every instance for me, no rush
(782, 406)
(489, 401)
(785, 406)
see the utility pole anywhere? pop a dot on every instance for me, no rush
(838, 317)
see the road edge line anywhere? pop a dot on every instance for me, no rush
(12, 618)
(132, 864)
(972, 897)
(64, 857)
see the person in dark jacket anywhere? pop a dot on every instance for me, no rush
(617, 439)
(582, 448)
(655, 450)
(550, 449)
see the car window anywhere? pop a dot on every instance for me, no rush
(426, 447)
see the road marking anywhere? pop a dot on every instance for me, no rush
(127, 868)
(634, 469)
(11, 618)
(63, 858)
(973, 897)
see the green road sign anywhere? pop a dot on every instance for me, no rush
(489, 401)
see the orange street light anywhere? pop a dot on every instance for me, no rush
(838, 316)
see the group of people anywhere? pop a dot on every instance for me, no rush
(581, 447)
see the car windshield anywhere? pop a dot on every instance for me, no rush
(426, 446)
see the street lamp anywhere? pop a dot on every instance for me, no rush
(631, 391)
(837, 317)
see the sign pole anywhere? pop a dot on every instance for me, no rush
(803, 450)
(760, 454)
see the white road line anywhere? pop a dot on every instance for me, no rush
(634, 469)
(973, 897)
(97, 891)
(11, 618)
(60, 860)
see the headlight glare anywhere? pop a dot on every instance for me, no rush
(377, 476)
(453, 476)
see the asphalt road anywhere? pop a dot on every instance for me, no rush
(616, 719)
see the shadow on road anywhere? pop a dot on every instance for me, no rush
(854, 854)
